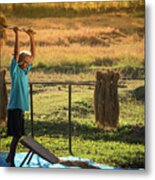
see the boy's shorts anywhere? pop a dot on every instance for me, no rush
(15, 123)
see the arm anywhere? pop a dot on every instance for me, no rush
(32, 44)
(32, 48)
(16, 47)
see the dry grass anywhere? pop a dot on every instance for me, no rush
(52, 55)
(86, 41)
(60, 45)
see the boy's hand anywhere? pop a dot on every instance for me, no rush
(30, 32)
(15, 29)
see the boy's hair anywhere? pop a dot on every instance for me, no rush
(22, 54)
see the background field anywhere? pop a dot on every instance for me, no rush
(73, 41)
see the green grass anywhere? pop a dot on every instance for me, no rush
(123, 147)
(73, 50)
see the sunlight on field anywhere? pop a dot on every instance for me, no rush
(74, 41)
(89, 43)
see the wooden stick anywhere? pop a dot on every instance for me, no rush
(0, 51)
(20, 29)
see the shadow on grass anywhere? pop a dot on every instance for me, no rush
(127, 71)
(67, 68)
(127, 133)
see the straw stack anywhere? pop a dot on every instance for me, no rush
(106, 103)
(3, 91)
(3, 98)
(3, 23)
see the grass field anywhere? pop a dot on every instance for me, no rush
(123, 147)
(83, 45)
(73, 49)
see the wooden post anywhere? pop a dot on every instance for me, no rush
(1, 43)
(3, 99)
(106, 104)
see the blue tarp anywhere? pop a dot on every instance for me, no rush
(37, 161)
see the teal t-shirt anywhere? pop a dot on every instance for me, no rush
(19, 95)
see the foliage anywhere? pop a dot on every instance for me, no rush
(123, 147)
(71, 9)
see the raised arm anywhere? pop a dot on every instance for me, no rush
(16, 46)
(32, 44)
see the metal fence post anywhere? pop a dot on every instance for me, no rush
(69, 117)
(31, 104)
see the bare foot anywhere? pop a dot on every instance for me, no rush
(8, 160)
(12, 164)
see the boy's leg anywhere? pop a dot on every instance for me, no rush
(12, 152)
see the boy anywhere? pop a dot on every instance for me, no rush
(19, 97)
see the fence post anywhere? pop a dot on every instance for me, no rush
(31, 104)
(69, 117)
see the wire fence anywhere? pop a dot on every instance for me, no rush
(66, 108)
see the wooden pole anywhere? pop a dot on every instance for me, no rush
(1, 42)
(19, 28)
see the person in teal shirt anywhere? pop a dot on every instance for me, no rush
(19, 96)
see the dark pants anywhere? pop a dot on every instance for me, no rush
(15, 123)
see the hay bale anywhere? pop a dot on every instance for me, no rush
(3, 91)
(3, 23)
(3, 98)
(106, 104)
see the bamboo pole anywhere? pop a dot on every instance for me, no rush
(21, 29)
